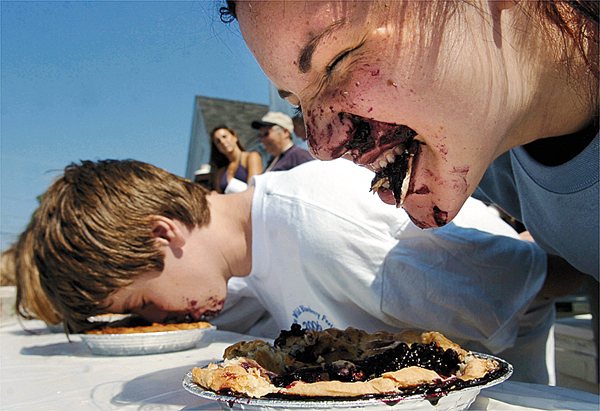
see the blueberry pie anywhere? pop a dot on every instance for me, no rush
(153, 328)
(346, 363)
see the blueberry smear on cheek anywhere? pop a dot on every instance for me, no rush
(361, 141)
(216, 305)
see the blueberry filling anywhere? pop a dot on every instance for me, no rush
(361, 140)
(396, 172)
(429, 356)
(367, 134)
(314, 358)
(295, 331)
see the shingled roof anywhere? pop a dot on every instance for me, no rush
(236, 114)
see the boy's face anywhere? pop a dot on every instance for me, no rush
(180, 293)
(350, 64)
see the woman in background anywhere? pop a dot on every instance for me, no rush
(233, 165)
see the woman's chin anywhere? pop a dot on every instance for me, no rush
(420, 209)
(425, 213)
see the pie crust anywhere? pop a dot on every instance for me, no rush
(155, 327)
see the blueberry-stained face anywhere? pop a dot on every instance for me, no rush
(164, 298)
(416, 91)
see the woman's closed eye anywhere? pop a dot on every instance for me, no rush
(340, 57)
(337, 60)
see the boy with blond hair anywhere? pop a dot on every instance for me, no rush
(127, 237)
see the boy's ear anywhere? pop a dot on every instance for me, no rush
(167, 232)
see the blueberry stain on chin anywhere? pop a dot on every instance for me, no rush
(440, 217)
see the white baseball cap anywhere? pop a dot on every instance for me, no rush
(275, 118)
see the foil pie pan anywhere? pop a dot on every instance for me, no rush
(143, 343)
(456, 400)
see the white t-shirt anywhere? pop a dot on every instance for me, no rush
(327, 253)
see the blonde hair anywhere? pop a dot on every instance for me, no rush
(31, 301)
(7, 266)
(92, 234)
(577, 22)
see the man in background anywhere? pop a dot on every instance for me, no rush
(276, 131)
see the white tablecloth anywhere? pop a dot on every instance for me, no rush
(44, 371)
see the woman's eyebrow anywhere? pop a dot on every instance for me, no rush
(306, 53)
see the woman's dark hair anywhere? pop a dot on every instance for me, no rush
(228, 12)
(218, 160)
(577, 20)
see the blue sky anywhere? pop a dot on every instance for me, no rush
(108, 79)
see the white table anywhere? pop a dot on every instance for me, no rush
(44, 371)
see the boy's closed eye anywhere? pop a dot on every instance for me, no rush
(150, 312)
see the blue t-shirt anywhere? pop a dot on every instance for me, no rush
(241, 174)
(291, 158)
(558, 205)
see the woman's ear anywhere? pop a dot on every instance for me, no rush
(167, 232)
